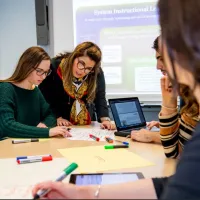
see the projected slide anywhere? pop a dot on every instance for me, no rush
(125, 32)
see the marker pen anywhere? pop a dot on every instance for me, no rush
(108, 139)
(116, 146)
(24, 141)
(94, 137)
(65, 173)
(37, 156)
(32, 160)
(126, 143)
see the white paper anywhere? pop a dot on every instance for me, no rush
(83, 134)
(12, 173)
(17, 180)
(16, 192)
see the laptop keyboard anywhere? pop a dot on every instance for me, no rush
(129, 130)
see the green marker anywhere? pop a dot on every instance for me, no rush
(65, 173)
(115, 146)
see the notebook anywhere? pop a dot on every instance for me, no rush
(128, 115)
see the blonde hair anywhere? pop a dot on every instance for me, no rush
(191, 106)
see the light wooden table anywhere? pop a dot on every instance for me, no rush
(153, 152)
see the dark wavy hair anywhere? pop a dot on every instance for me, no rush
(191, 106)
(180, 29)
(156, 44)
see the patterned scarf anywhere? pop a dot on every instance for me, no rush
(79, 114)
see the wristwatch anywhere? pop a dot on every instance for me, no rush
(105, 119)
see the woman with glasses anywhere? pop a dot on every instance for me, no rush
(180, 28)
(24, 113)
(76, 87)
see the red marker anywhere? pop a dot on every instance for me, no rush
(94, 137)
(34, 159)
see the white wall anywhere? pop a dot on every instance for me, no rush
(17, 32)
(61, 26)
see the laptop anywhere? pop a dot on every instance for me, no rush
(128, 115)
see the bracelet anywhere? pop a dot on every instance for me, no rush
(169, 108)
(97, 192)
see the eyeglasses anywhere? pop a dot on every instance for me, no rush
(81, 66)
(41, 72)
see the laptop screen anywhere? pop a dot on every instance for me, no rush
(127, 113)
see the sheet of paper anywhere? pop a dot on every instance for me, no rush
(16, 192)
(12, 174)
(96, 159)
(83, 134)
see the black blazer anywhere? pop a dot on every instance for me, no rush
(61, 103)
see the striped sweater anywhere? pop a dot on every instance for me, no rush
(175, 131)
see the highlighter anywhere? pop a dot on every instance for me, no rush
(115, 146)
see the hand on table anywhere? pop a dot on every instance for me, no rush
(147, 136)
(63, 122)
(59, 130)
(108, 125)
(151, 124)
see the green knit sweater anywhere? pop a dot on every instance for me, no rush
(21, 111)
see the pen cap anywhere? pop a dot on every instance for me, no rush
(47, 158)
(70, 168)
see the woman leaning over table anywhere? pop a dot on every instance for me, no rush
(180, 28)
(76, 87)
(24, 113)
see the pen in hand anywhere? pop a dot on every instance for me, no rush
(66, 172)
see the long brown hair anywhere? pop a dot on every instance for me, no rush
(84, 49)
(179, 20)
(27, 63)
(191, 106)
